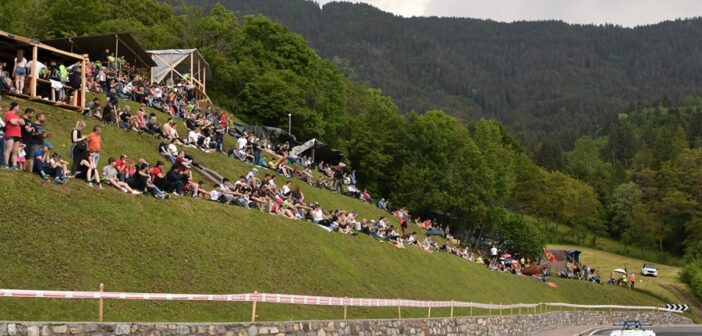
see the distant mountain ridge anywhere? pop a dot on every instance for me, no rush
(541, 79)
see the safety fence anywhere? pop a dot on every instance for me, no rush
(345, 302)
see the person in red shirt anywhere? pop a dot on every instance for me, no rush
(158, 176)
(122, 167)
(13, 136)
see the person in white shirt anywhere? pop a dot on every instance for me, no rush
(242, 142)
(493, 253)
(41, 68)
(285, 190)
(194, 137)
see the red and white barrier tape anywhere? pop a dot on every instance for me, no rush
(293, 299)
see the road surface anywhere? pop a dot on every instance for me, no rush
(695, 330)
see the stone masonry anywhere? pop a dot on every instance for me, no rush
(492, 326)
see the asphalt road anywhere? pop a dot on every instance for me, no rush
(661, 331)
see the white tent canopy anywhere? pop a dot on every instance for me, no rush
(297, 150)
(179, 62)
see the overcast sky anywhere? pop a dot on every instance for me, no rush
(623, 12)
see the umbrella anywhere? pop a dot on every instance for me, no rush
(506, 255)
(619, 270)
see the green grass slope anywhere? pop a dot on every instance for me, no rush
(667, 285)
(73, 238)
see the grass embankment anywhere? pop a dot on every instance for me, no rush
(667, 285)
(561, 234)
(73, 238)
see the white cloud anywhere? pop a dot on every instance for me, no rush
(623, 12)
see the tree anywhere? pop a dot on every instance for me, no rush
(584, 163)
(621, 145)
(550, 155)
(625, 197)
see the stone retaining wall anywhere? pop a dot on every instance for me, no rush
(493, 326)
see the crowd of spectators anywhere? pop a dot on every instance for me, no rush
(24, 145)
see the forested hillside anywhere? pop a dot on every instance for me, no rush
(541, 79)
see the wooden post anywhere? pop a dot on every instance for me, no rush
(452, 302)
(471, 310)
(35, 72)
(500, 308)
(253, 310)
(100, 303)
(429, 313)
(511, 310)
(520, 310)
(490, 310)
(399, 312)
(116, 49)
(191, 69)
(204, 81)
(346, 307)
(83, 86)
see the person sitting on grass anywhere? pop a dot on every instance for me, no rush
(153, 127)
(111, 174)
(284, 209)
(88, 170)
(174, 182)
(59, 168)
(298, 196)
(158, 175)
(412, 239)
(169, 132)
(199, 190)
(93, 110)
(260, 198)
(318, 216)
(137, 180)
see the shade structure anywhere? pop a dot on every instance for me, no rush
(318, 150)
(184, 65)
(273, 134)
(121, 44)
(41, 89)
(178, 62)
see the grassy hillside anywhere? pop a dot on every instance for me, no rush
(562, 235)
(72, 237)
(667, 285)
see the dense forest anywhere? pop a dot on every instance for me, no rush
(542, 80)
(639, 180)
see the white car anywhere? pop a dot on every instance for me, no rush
(632, 328)
(649, 269)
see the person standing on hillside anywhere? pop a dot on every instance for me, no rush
(13, 136)
(493, 254)
(632, 280)
(39, 135)
(94, 140)
(78, 145)
(27, 131)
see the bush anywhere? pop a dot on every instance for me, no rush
(692, 275)
(521, 235)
